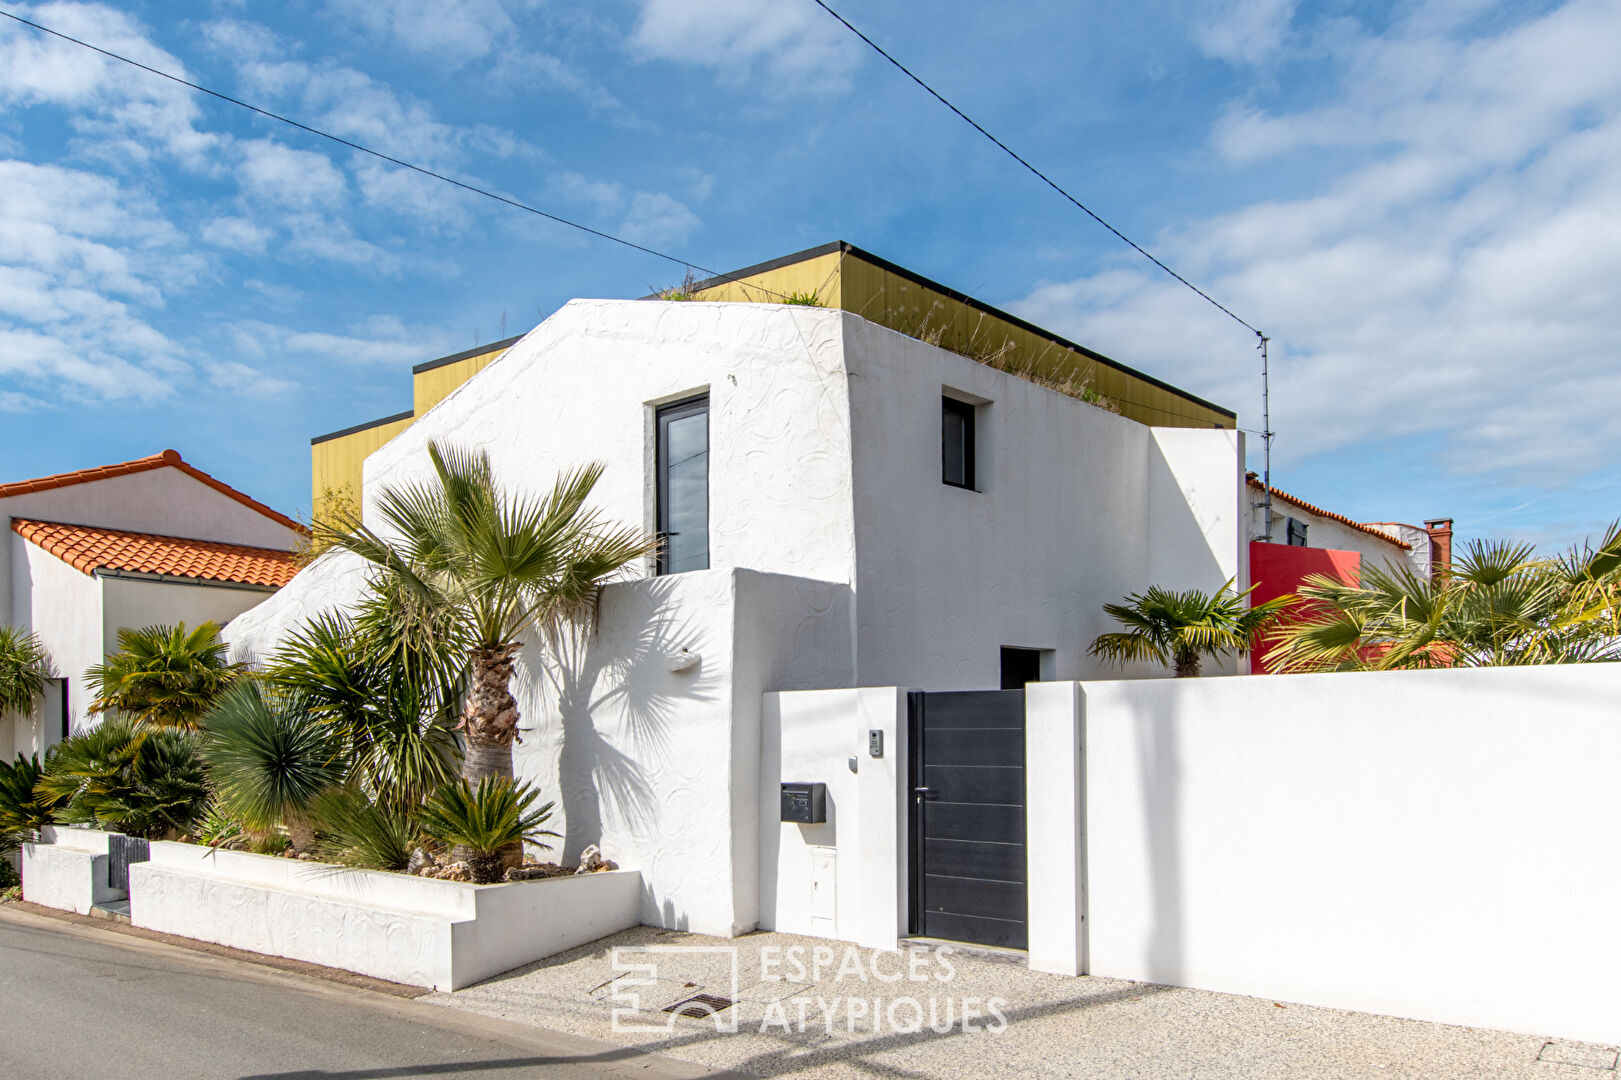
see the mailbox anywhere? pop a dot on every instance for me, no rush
(804, 803)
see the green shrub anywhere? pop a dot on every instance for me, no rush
(269, 760)
(22, 812)
(485, 820)
(805, 299)
(354, 831)
(24, 667)
(165, 676)
(141, 781)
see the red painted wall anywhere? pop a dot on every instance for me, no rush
(1278, 568)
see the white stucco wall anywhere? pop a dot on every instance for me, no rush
(658, 767)
(1431, 844)
(1076, 507)
(582, 387)
(334, 582)
(63, 606)
(846, 878)
(412, 930)
(132, 602)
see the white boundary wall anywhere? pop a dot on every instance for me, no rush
(418, 931)
(67, 869)
(1438, 845)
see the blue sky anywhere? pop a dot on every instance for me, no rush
(1420, 202)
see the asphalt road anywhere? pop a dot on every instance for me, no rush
(78, 1003)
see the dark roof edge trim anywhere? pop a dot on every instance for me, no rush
(960, 297)
(407, 415)
(466, 354)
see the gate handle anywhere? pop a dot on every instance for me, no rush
(922, 790)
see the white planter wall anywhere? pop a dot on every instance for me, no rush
(411, 930)
(67, 869)
(1438, 844)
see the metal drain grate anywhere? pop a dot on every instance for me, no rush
(700, 1006)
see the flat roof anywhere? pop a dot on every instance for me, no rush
(407, 415)
(954, 294)
(466, 354)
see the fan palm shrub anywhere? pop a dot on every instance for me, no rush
(141, 781)
(1500, 604)
(24, 667)
(354, 831)
(269, 761)
(460, 558)
(22, 811)
(481, 823)
(391, 702)
(165, 676)
(1180, 629)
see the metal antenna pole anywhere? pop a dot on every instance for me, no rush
(1266, 433)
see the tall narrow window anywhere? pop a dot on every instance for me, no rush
(957, 442)
(683, 486)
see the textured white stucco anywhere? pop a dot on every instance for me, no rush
(859, 853)
(1076, 507)
(417, 931)
(67, 869)
(1430, 844)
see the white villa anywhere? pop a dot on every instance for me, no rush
(152, 541)
(845, 506)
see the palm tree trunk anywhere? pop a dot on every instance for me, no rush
(299, 831)
(490, 726)
(1187, 664)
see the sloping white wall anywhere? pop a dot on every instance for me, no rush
(1432, 844)
(582, 386)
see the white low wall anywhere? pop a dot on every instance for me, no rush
(67, 869)
(1438, 845)
(844, 878)
(412, 930)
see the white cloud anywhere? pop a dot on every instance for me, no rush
(236, 234)
(240, 379)
(279, 175)
(791, 47)
(109, 102)
(1457, 285)
(454, 32)
(1242, 31)
(658, 219)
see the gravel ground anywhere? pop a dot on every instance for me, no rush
(1054, 1026)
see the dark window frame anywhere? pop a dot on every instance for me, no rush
(965, 411)
(1294, 532)
(662, 416)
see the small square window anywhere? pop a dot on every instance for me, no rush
(957, 442)
(1296, 533)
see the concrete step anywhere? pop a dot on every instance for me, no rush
(113, 910)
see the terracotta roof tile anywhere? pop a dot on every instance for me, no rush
(1341, 518)
(167, 459)
(89, 549)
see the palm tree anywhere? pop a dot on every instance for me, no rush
(1499, 605)
(120, 775)
(392, 707)
(468, 561)
(24, 667)
(1179, 629)
(165, 676)
(269, 761)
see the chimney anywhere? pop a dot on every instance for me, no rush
(1440, 530)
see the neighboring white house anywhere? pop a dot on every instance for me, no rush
(152, 541)
(845, 506)
(1380, 543)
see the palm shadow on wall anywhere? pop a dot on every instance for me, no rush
(609, 671)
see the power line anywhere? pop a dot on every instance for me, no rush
(1037, 172)
(363, 149)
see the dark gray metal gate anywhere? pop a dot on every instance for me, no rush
(121, 852)
(968, 871)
